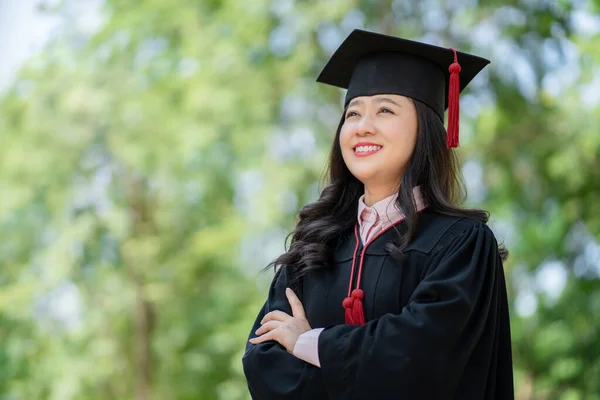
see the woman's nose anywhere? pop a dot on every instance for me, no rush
(365, 127)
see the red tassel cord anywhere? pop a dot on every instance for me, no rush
(453, 103)
(349, 302)
(353, 304)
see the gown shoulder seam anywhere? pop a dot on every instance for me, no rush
(458, 229)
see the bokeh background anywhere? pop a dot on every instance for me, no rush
(154, 154)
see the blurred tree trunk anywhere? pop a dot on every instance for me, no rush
(144, 329)
(144, 317)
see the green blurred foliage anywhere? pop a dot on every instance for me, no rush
(148, 172)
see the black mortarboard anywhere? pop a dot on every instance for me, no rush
(369, 63)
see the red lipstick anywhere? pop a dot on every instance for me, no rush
(367, 148)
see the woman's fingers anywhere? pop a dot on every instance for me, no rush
(268, 326)
(263, 338)
(295, 303)
(276, 316)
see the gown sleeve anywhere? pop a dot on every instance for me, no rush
(272, 372)
(421, 353)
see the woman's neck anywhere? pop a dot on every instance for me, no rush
(373, 195)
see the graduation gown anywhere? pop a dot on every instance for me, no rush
(437, 322)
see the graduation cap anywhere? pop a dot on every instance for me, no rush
(369, 63)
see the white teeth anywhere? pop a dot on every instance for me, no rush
(364, 149)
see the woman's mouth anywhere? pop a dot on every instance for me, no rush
(363, 151)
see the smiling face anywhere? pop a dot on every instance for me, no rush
(377, 139)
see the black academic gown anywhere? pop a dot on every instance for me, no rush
(437, 323)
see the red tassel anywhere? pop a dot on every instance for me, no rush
(453, 103)
(348, 303)
(358, 312)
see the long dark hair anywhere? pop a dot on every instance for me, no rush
(322, 223)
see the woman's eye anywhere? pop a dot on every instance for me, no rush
(353, 113)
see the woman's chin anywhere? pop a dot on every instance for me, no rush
(365, 175)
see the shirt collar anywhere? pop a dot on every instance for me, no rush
(385, 209)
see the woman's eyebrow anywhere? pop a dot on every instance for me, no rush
(378, 100)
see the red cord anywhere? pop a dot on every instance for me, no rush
(349, 302)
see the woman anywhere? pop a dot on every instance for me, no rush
(395, 291)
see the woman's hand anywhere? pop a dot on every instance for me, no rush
(282, 327)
